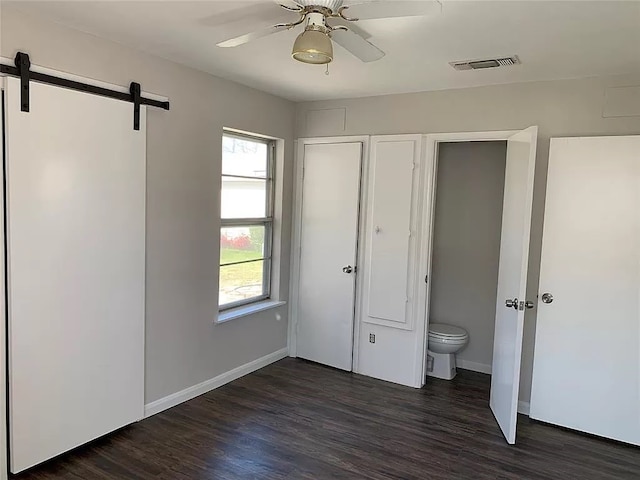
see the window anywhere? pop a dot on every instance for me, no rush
(247, 220)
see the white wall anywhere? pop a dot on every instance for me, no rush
(466, 242)
(183, 346)
(559, 108)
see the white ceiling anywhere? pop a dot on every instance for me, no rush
(554, 40)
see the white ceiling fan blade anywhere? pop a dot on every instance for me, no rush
(261, 13)
(334, 22)
(358, 46)
(248, 37)
(289, 4)
(392, 8)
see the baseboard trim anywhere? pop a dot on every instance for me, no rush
(473, 366)
(177, 398)
(523, 407)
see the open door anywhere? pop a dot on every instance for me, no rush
(512, 279)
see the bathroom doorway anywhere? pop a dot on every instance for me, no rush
(512, 266)
(466, 252)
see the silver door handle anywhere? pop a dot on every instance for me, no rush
(511, 303)
(547, 298)
(347, 269)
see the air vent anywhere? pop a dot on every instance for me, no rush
(486, 63)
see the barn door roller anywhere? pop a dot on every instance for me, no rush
(22, 70)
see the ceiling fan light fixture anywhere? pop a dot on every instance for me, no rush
(314, 47)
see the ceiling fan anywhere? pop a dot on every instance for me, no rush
(332, 20)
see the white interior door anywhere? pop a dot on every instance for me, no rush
(75, 173)
(329, 240)
(512, 279)
(586, 372)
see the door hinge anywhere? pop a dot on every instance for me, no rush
(426, 279)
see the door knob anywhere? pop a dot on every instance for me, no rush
(511, 303)
(547, 298)
(347, 269)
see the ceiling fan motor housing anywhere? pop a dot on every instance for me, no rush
(317, 21)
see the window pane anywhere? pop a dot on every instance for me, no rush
(239, 244)
(244, 157)
(241, 282)
(243, 198)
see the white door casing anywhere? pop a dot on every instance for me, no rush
(3, 321)
(328, 244)
(586, 372)
(512, 279)
(427, 221)
(76, 261)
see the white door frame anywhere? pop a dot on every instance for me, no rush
(425, 236)
(4, 439)
(297, 235)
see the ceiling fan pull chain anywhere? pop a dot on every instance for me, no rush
(327, 70)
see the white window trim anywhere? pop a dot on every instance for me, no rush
(266, 222)
(274, 300)
(248, 309)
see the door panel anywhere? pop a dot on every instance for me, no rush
(76, 262)
(329, 240)
(390, 338)
(586, 372)
(392, 167)
(512, 279)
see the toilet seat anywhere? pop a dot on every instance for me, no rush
(442, 331)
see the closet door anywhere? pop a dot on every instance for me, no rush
(329, 241)
(586, 372)
(75, 207)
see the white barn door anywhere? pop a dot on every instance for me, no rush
(586, 370)
(512, 279)
(75, 206)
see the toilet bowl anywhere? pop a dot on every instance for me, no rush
(444, 342)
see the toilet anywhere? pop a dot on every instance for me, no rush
(444, 342)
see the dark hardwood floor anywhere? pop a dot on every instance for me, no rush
(299, 420)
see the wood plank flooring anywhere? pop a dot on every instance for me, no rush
(298, 420)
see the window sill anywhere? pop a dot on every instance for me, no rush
(246, 310)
